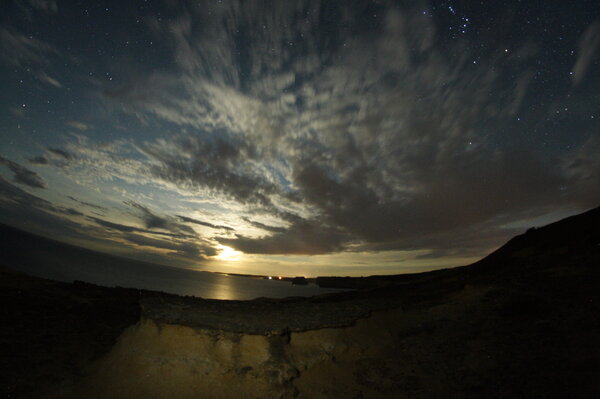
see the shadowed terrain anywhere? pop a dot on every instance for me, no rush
(523, 322)
(52, 330)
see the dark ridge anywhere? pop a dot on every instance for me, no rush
(575, 233)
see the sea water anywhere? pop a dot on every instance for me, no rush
(113, 271)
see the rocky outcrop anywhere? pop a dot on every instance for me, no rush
(157, 360)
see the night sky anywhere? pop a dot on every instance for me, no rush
(297, 137)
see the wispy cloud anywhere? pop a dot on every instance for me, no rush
(59, 222)
(186, 249)
(47, 6)
(42, 76)
(582, 165)
(190, 246)
(304, 237)
(39, 160)
(203, 223)
(23, 175)
(60, 153)
(33, 55)
(265, 227)
(87, 204)
(20, 50)
(211, 163)
(124, 228)
(588, 49)
(78, 125)
(153, 221)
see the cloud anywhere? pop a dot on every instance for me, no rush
(582, 166)
(40, 160)
(303, 237)
(19, 208)
(211, 163)
(202, 223)
(189, 246)
(32, 205)
(116, 226)
(46, 6)
(88, 204)
(588, 48)
(96, 162)
(60, 153)
(18, 50)
(72, 212)
(444, 201)
(55, 157)
(23, 175)
(35, 56)
(19, 112)
(11, 194)
(153, 221)
(262, 226)
(187, 249)
(28, 211)
(132, 229)
(78, 125)
(49, 80)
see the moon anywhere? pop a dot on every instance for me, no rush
(228, 254)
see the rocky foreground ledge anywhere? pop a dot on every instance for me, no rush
(267, 316)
